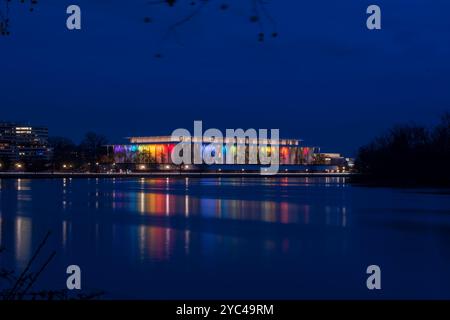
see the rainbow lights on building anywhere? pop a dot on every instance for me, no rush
(148, 151)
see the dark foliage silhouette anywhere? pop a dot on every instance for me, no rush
(409, 154)
(85, 156)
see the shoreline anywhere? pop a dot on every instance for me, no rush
(58, 175)
(353, 178)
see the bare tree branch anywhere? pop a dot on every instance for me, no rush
(259, 14)
(5, 10)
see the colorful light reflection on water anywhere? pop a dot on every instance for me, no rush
(229, 237)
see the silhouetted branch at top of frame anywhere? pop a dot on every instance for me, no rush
(258, 15)
(5, 14)
(255, 12)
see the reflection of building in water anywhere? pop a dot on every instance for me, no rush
(166, 204)
(24, 195)
(65, 233)
(160, 204)
(157, 242)
(22, 232)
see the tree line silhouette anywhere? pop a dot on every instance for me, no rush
(88, 155)
(408, 154)
(85, 156)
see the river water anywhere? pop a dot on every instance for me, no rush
(187, 238)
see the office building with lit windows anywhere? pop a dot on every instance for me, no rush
(23, 142)
(145, 153)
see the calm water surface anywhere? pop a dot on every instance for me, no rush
(230, 237)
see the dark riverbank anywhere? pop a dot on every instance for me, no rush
(368, 180)
(362, 180)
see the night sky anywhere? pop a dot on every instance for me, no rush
(325, 79)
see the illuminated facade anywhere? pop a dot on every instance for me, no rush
(148, 151)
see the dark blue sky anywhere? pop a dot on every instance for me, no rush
(325, 79)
